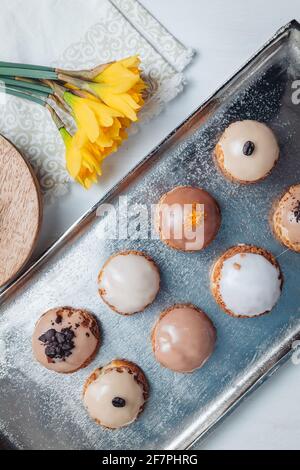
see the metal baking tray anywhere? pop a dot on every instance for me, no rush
(43, 410)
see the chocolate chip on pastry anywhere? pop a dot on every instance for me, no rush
(65, 339)
(115, 395)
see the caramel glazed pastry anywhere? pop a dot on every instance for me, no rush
(65, 339)
(129, 282)
(247, 151)
(246, 281)
(183, 338)
(187, 218)
(286, 219)
(115, 394)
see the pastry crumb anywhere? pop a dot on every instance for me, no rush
(237, 266)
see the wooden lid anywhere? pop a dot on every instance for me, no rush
(20, 211)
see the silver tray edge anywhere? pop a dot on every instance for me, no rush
(252, 379)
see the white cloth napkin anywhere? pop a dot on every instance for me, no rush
(78, 34)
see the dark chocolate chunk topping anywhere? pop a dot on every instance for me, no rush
(69, 334)
(48, 336)
(58, 344)
(50, 351)
(248, 148)
(118, 402)
(60, 337)
(297, 212)
(58, 319)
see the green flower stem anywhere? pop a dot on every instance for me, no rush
(27, 73)
(28, 85)
(23, 95)
(87, 74)
(38, 94)
(26, 66)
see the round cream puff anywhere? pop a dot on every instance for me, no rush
(286, 218)
(183, 338)
(116, 394)
(187, 218)
(246, 281)
(65, 339)
(247, 151)
(129, 282)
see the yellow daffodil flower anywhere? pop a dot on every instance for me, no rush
(91, 114)
(103, 110)
(103, 102)
(120, 87)
(83, 159)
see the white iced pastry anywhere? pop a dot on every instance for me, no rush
(115, 395)
(247, 283)
(128, 282)
(247, 151)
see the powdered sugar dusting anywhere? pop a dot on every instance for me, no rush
(41, 409)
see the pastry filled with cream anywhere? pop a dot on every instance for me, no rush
(247, 151)
(183, 338)
(65, 339)
(286, 218)
(116, 394)
(246, 281)
(128, 282)
(187, 218)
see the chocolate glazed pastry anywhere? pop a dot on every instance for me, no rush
(65, 339)
(187, 218)
(183, 338)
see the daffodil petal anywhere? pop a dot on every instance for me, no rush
(73, 161)
(116, 101)
(129, 62)
(104, 114)
(86, 119)
(91, 162)
(118, 77)
(130, 101)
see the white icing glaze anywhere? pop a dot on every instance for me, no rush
(261, 162)
(250, 285)
(100, 393)
(129, 282)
